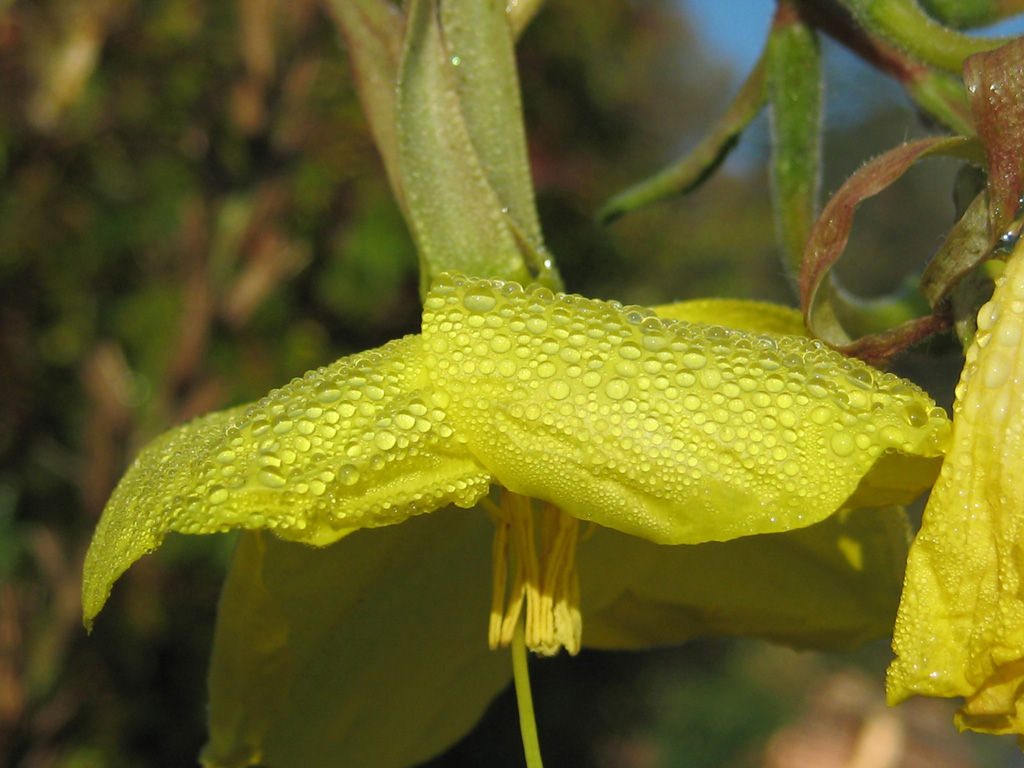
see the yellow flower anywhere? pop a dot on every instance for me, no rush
(657, 430)
(960, 629)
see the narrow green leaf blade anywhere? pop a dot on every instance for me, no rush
(699, 164)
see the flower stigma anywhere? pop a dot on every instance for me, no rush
(546, 583)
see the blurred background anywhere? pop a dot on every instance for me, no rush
(192, 212)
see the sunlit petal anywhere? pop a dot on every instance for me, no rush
(387, 647)
(960, 630)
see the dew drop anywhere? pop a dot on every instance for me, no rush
(327, 393)
(569, 355)
(536, 325)
(480, 300)
(694, 360)
(654, 342)
(843, 444)
(1009, 334)
(916, 416)
(629, 351)
(862, 377)
(217, 494)
(710, 378)
(997, 371)
(821, 415)
(271, 477)
(987, 316)
(558, 390)
(626, 368)
(616, 389)
(348, 474)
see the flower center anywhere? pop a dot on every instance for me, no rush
(546, 583)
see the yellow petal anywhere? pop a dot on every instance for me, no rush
(743, 315)
(675, 432)
(359, 443)
(251, 676)
(833, 585)
(960, 628)
(387, 646)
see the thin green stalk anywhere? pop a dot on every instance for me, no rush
(524, 697)
(903, 23)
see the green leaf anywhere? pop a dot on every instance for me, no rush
(700, 163)
(965, 247)
(521, 13)
(373, 31)
(831, 232)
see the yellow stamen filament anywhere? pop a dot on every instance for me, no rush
(548, 584)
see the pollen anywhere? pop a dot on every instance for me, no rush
(545, 580)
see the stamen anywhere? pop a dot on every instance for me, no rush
(526, 586)
(548, 585)
(560, 590)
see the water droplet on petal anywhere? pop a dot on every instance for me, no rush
(271, 477)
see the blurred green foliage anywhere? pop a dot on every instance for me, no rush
(192, 212)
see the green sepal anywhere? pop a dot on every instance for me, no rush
(461, 149)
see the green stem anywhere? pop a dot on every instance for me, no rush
(524, 697)
(903, 23)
